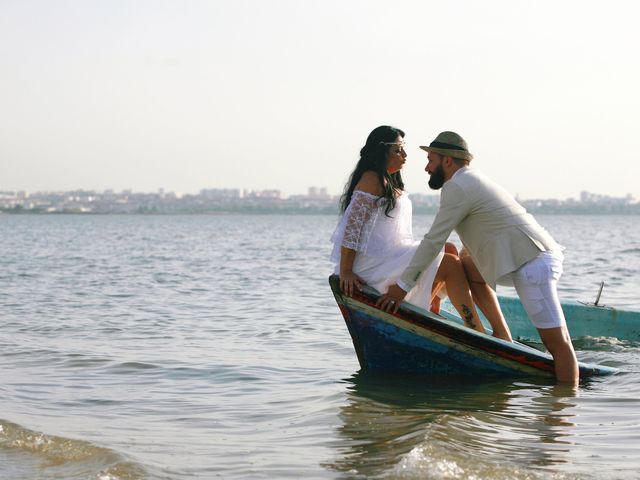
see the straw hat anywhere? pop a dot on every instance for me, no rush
(449, 144)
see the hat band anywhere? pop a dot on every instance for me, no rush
(448, 146)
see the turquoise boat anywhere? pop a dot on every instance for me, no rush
(417, 341)
(583, 320)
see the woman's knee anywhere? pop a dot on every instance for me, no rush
(450, 248)
(451, 265)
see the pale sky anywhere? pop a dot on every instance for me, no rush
(281, 94)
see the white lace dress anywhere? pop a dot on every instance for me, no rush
(384, 245)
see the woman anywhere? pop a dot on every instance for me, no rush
(373, 242)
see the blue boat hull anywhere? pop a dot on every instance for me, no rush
(416, 341)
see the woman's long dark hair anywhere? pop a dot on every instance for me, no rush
(373, 156)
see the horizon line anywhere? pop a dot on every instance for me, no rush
(320, 191)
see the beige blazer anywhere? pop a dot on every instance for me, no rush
(495, 229)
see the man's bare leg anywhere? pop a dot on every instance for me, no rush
(485, 298)
(558, 342)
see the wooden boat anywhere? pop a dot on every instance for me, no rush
(583, 320)
(414, 340)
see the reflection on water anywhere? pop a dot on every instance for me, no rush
(411, 427)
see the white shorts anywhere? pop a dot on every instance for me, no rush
(537, 285)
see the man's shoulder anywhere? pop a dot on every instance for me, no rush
(474, 185)
(479, 187)
(468, 172)
(471, 176)
(464, 177)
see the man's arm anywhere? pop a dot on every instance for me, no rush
(454, 207)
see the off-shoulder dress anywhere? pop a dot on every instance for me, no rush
(384, 244)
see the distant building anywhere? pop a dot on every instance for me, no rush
(264, 194)
(220, 193)
(317, 193)
(590, 198)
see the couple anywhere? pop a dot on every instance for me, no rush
(373, 243)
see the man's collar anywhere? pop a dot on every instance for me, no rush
(461, 169)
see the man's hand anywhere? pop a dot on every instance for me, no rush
(390, 301)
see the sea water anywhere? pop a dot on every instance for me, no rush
(210, 346)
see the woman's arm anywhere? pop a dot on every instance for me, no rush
(348, 279)
(369, 183)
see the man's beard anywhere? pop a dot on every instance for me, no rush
(437, 178)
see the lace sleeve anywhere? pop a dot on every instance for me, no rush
(358, 220)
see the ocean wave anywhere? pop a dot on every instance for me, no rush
(59, 457)
(607, 344)
(441, 462)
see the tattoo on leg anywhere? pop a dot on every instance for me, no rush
(467, 316)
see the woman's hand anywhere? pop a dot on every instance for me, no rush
(349, 281)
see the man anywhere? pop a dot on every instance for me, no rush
(506, 244)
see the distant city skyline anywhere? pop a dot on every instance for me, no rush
(316, 201)
(281, 94)
(312, 191)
